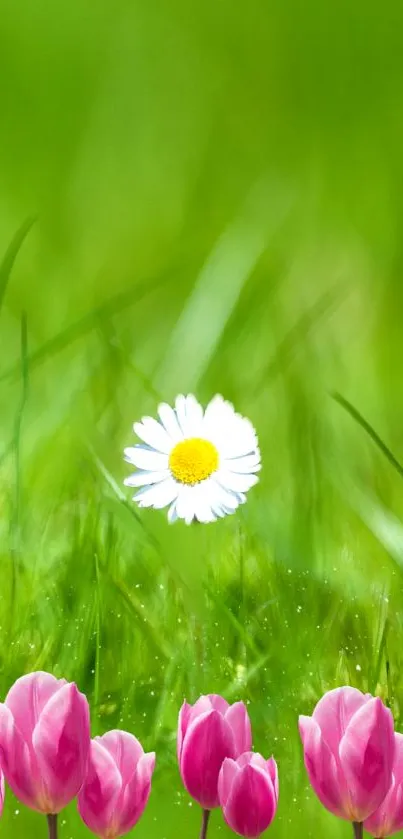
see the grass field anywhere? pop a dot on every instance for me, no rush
(202, 198)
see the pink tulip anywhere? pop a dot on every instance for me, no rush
(117, 786)
(208, 732)
(248, 793)
(388, 818)
(349, 748)
(44, 741)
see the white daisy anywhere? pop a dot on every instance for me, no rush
(199, 463)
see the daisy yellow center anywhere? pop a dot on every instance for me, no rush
(193, 460)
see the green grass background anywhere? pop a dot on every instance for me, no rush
(216, 190)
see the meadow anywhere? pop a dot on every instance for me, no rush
(202, 198)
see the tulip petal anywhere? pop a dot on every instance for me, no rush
(398, 758)
(238, 719)
(125, 750)
(395, 811)
(27, 698)
(101, 790)
(334, 711)
(183, 721)
(228, 771)
(381, 822)
(273, 772)
(366, 756)
(145, 767)
(255, 759)
(208, 741)
(251, 806)
(61, 741)
(202, 706)
(18, 763)
(251, 757)
(218, 703)
(322, 769)
(388, 818)
(2, 792)
(135, 794)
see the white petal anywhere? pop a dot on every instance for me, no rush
(145, 458)
(217, 417)
(190, 415)
(153, 434)
(180, 408)
(194, 416)
(219, 512)
(224, 498)
(216, 407)
(233, 434)
(234, 481)
(240, 439)
(248, 463)
(202, 505)
(140, 479)
(172, 514)
(221, 501)
(170, 422)
(211, 491)
(185, 503)
(157, 496)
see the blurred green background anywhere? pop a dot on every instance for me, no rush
(217, 195)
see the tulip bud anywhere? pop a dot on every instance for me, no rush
(208, 732)
(348, 750)
(388, 818)
(117, 786)
(44, 741)
(248, 793)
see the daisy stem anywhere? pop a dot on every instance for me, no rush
(52, 826)
(358, 830)
(205, 820)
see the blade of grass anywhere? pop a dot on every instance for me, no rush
(233, 687)
(375, 676)
(133, 606)
(11, 255)
(233, 620)
(219, 285)
(87, 323)
(6, 452)
(369, 430)
(321, 308)
(118, 492)
(164, 700)
(15, 523)
(97, 633)
(389, 698)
